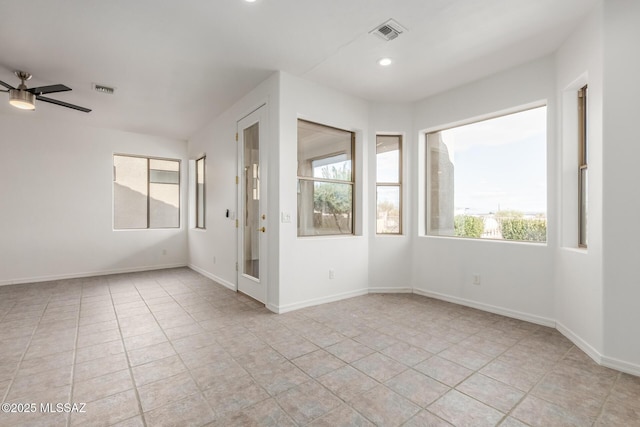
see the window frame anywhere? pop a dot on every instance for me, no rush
(427, 230)
(583, 174)
(313, 179)
(203, 158)
(398, 184)
(148, 196)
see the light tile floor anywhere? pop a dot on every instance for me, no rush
(173, 348)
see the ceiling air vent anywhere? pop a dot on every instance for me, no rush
(104, 89)
(388, 30)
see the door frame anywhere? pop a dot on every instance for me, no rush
(255, 288)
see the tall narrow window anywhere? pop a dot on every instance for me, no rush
(488, 179)
(325, 180)
(200, 188)
(582, 167)
(389, 184)
(146, 192)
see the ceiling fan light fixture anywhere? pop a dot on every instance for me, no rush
(22, 99)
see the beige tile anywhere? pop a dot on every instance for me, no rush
(347, 382)
(465, 356)
(344, 415)
(191, 411)
(426, 419)
(85, 340)
(145, 340)
(462, 410)
(406, 353)
(540, 413)
(103, 386)
(350, 350)
(108, 410)
(307, 401)
(616, 414)
(263, 414)
(131, 422)
(418, 388)
(491, 392)
(97, 351)
(46, 363)
(427, 342)
(280, 377)
(566, 391)
(234, 393)
(294, 346)
(98, 367)
(379, 366)
(626, 391)
(150, 353)
(157, 370)
(318, 363)
(384, 407)
(171, 389)
(29, 385)
(519, 378)
(208, 374)
(443, 370)
(375, 340)
(193, 342)
(183, 331)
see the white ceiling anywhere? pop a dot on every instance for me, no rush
(178, 64)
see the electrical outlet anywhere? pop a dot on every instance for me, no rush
(476, 279)
(164, 252)
(214, 260)
(332, 273)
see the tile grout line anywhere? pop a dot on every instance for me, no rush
(606, 399)
(528, 393)
(126, 355)
(174, 349)
(26, 350)
(75, 353)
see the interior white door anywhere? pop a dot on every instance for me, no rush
(252, 206)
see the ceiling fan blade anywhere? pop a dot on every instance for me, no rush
(48, 89)
(6, 85)
(64, 104)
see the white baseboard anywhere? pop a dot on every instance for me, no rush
(53, 277)
(213, 277)
(599, 358)
(316, 301)
(539, 320)
(580, 343)
(390, 290)
(621, 365)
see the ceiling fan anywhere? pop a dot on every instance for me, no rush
(23, 98)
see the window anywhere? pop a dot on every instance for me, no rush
(200, 187)
(146, 192)
(325, 180)
(582, 167)
(488, 179)
(389, 184)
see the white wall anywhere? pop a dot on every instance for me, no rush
(56, 184)
(305, 261)
(213, 251)
(578, 281)
(516, 278)
(390, 255)
(621, 195)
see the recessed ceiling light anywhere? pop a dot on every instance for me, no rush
(250, 1)
(385, 62)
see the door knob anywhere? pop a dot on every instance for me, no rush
(263, 229)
